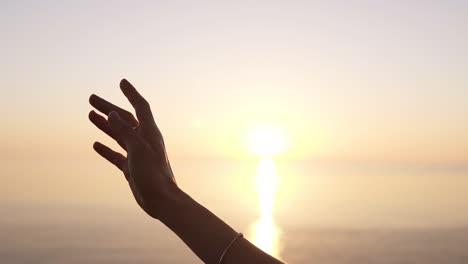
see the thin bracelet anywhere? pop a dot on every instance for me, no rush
(228, 247)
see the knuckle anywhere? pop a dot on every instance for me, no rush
(144, 104)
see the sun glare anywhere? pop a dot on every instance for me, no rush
(266, 186)
(267, 141)
(266, 235)
(265, 232)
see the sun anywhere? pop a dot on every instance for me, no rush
(267, 141)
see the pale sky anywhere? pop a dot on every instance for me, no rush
(367, 79)
(346, 81)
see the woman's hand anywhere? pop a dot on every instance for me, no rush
(150, 177)
(146, 166)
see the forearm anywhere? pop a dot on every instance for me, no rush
(207, 235)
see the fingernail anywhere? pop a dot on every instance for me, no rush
(114, 116)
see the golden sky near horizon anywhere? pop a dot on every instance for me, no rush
(343, 81)
(368, 82)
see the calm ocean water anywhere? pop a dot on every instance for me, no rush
(70, 213)
(83, 235)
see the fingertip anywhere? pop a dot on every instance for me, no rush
(96, 145)
(123, 82)
(92, 98)
(91, 114)
(125, 86)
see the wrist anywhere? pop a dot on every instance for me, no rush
(171, 204)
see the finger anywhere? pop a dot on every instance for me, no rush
(105, 107)
(101, 123)
(123, 131)
(142, 108)
(113, 157)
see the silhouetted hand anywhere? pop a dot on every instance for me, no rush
(152, 182)
(146, 166)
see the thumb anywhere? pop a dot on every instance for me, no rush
(122, 130)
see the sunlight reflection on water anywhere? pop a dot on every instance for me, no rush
(265, 233)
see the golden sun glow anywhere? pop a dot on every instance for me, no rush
(265, 231)
(267, 141)
(266, 235)
(266, 186)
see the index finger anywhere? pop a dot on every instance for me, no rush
(142, 107)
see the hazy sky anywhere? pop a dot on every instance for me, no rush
(359, 83)
(383, 80)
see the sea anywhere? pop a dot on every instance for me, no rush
(378, 216)
(85, 235)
